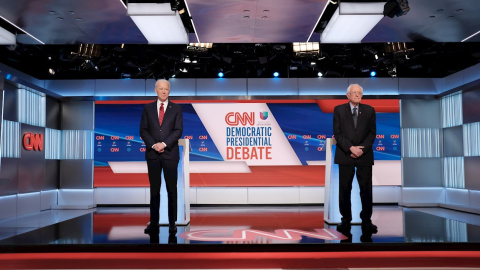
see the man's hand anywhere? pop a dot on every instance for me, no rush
(356, 151)
(159, 147)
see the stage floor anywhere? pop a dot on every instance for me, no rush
(242, 230)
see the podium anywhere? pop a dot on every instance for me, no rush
(183, 188)
(331, 211)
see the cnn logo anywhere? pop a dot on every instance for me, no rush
(33, 141)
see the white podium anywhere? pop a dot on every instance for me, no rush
(331, 211)
(183, 188)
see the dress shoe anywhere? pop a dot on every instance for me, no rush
(344, 227)
(172, 228)
(369, 227)
(152, 228)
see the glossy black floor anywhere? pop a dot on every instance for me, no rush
(239, 228)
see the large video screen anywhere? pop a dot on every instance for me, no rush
(266, 137)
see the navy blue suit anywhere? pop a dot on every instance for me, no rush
(169, 132)
(347, 135)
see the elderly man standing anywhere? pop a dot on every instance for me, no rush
(354, 129)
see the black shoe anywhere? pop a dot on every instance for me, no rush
(344, 227)
(172, 228)
(369, 227)
(152, 228)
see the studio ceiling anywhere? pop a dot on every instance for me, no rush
(251, 38)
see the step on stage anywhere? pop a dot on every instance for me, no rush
(240, 238)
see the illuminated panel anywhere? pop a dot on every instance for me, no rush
(31, 107)
(452, 110)
(453, 172)
(471, 137)
(421, 142)
(77, 144)
(53, 146)
(10, 139)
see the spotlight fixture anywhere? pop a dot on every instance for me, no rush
(51, 71)
(158, 22)
(306, 48)
(220, 74)
(351, 22)
(396, 8)
(320, 74)
(373, 73)
(201, 47)
(276, 74)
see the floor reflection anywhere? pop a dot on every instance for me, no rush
(244, 225)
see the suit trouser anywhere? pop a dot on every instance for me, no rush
(169, 168)
(364, 177)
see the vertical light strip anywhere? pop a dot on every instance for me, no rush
(453, 172)
(420, 142)
(456, 231)
(452, 110)
(53, 145)
(31, 107)
(471, 139)
(77, 144)
(10, 139)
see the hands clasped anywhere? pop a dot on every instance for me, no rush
(159, 147)
(356, 151)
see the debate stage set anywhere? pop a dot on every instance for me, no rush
(257, 185)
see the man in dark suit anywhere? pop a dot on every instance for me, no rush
(161, 127)
(355, 129)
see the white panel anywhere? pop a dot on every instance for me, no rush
(115, 87)
(76, 197)
(48, 198)
(31, 106)
(193, 195)
(385, 194)
(420, 142)
(452, 113)
(221, 87)
(273, 195)
(456, 196)
(8, 207)
(10, 139)
(387, 173)
(129, 195)
(222, 195)
(474, 198)
(312, 194)
(28, 203)
(322, 86)
(53, 149)
(219, 167)
(423, 195)
(471, 137)
(272, 87)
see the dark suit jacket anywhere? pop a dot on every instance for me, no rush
(169, 133)
(347, 135)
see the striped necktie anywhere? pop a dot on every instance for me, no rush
(161, 113)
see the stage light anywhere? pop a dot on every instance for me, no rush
(276, 74)
(220, 74)
(51, 71)
(158, 23)
(320, 74)
(306, 48)
(373, 73)
(351, 22)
